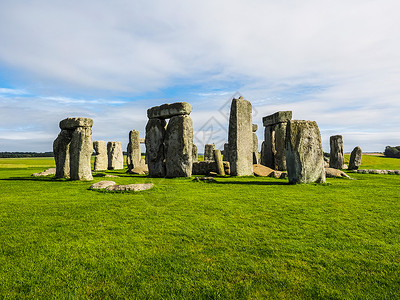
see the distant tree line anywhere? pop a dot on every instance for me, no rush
(392, 151)
(25, 154)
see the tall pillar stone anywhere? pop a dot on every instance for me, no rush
(179, 147)
(133, 155)
(209, 152)
(256, 158)
(195, 151)
(273, 155)
(336, 159)
(155, 134)
(219, 162)
(226, 152)
(101, 158)
(355, 158)
(240, 138)
(304, 154)
(115, 156)
(74, 147)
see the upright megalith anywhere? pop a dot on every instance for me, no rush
(195, 153)
(115, 156)
(169, 149)
(256, 157)
(133, 153)
(101, 158)
(336, 159)
(304, 155)
(209, 152)
(73, 149)
(355, 158)
(226, 152)
(219, 162)
(273, 148)
(154, 141)
(240, 138)
(179, 147)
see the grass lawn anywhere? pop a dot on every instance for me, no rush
(238, 238)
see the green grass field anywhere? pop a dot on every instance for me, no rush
(238, 238)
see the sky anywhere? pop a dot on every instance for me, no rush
(336, 62)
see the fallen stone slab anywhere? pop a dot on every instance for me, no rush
(278, 174)
(141, 170)
(262, 171)
(278, 117)
(102, 184)
(331, 173)
(135, 187)
(51, 171)
(204, 179)
(167, 111)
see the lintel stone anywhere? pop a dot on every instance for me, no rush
(278, 117)
(167, 111)
(72, 123)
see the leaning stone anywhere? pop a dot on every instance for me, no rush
(81, 150)
(219, 162)
(209, 151)
(167, 111)
(240, 138)
(155, 155)
(278, 117)
(115, 156)
(100, 159)
(355, 158)
(73, 123)
(178, 147)
(331, 172)
(130, 187)
(260, 170)
(304, 155)
(133, 155)
(50, 171)
(336, 159)
(61, 147)
(102, 184)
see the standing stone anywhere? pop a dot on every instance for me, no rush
(355, 158)
(304, 155)
(81, 150)
(134, 155)
(195, 156)
(219, 162)
(279, 146)
(240, 138)
(256, 159)
(209, 152)
(336, 159)
(100, 159)
(155, 134)
(262, 159)
(73, 149)
(61, 153)
(115, 156)
(226, 152)
(178, 146)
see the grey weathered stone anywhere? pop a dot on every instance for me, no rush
(134, 187)
(331, 172)
(195, 156)
(167, 111)
(260, 170)
(304, 155)
(278, 117)
(219, 162)
(274, 154)
(240, 138)
(50, 171)
(115, 156)
(72, 123)
(142, 140)
(133, 155)
(80, 151)
(262, 154)
(256, 159)
(209, 151)
(101, 158)
(355, 158)
(254, 127)
(207, 167)
(178, 146)
(226, 152)
(141, 170)
(61, 147)
(336, 159)
(101, 185)
(155, 156)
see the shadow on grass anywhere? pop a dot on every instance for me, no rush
(40, 178)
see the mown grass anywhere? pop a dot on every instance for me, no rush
(238, 238)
